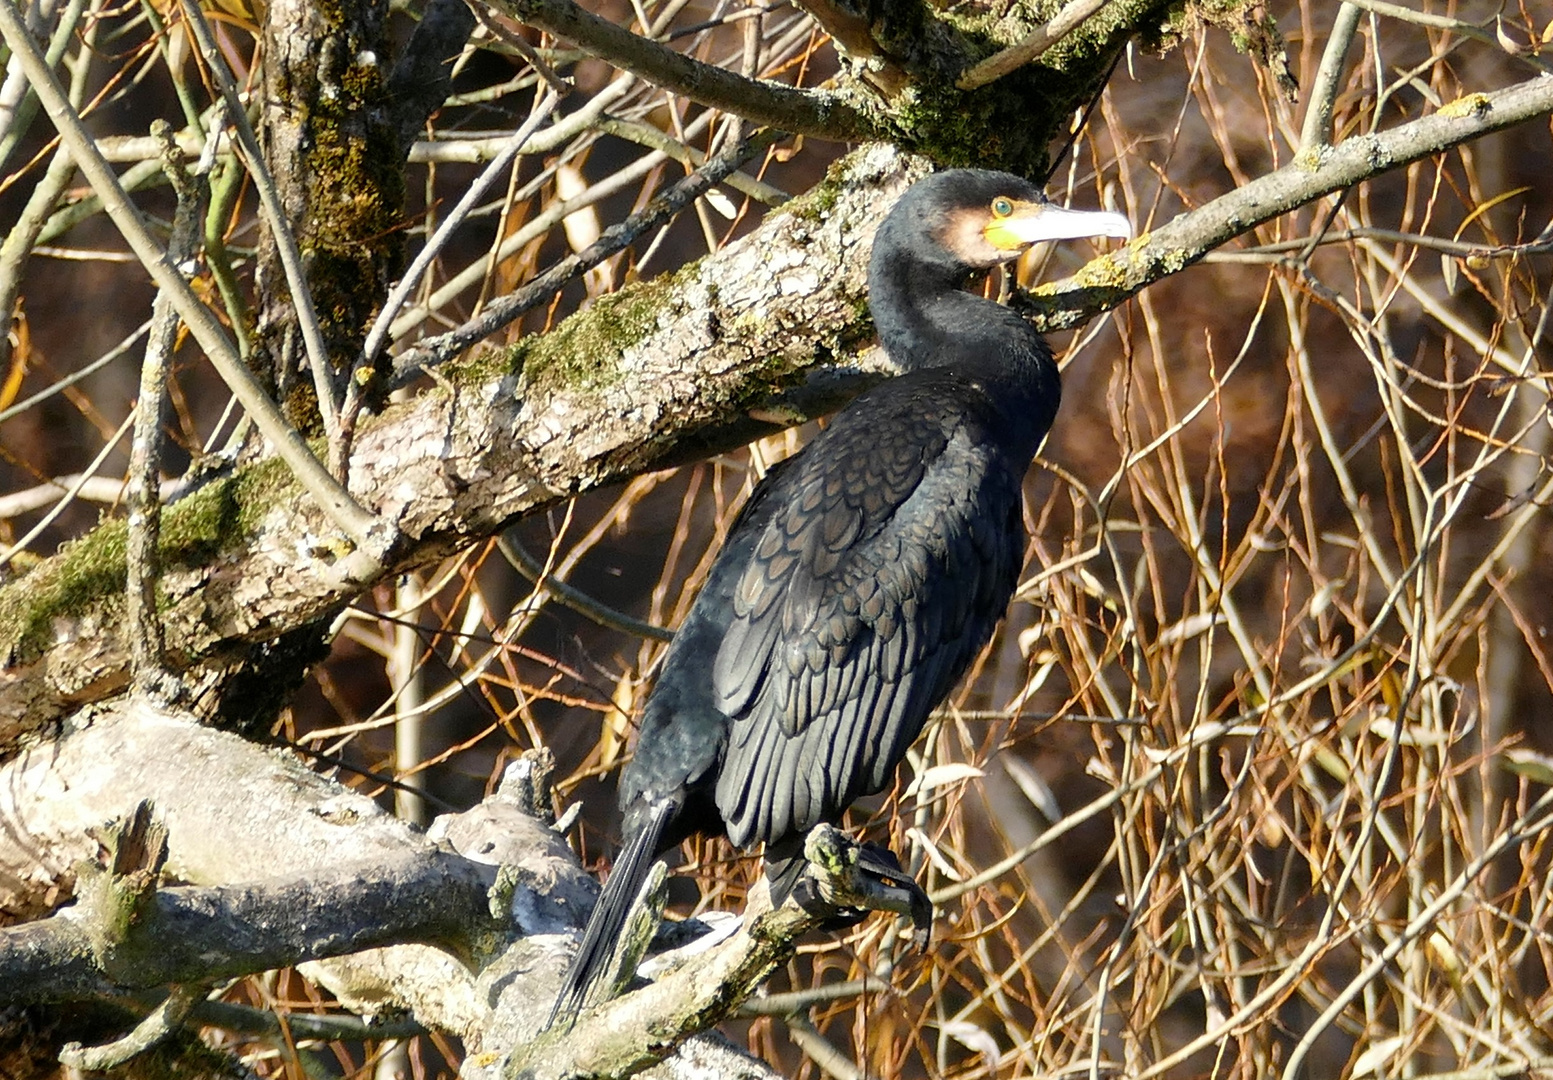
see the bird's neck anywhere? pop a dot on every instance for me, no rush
(926, 320)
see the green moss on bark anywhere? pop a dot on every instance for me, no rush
(89, 574)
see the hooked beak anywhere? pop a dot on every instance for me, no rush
(1032, 223)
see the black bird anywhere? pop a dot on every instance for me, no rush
(865, 572)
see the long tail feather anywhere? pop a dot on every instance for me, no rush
(609, 916)
(784, 873)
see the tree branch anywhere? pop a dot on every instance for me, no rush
(804, 112)
(195, 934)
(1109, 280)
(145, 456)
(655, 374)
(354, 876)
(1316, 131)
(1034, 45)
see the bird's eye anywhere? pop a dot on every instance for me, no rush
(1002, 207)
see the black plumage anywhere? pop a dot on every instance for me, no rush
(864, 573)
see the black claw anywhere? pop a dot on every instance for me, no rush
(877, 883)
(883, 864)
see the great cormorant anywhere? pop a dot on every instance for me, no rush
(865, 572)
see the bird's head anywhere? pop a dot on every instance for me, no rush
(968, 220)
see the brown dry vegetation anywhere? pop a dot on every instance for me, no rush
(1251, 783)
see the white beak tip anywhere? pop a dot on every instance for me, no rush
(1109, 224)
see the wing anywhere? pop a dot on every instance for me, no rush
(889, 558)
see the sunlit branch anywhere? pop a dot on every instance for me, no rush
(803, 112)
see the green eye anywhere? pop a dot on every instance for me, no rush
(1002, 207)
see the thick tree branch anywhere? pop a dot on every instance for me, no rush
(354, 876)
(198, 933)
(804, 112)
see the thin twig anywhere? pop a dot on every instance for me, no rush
(15, 120)
(1278, 250)
(821, 1051)
(647, 135)
(230, 1016)
(1538, 818)
(558, 84)
(1036, 43)
(355, 388)
(378, 336)
(69, 496)
(159, 1025)
(509, 308)
(1317, 131)
(142, 556)
(1444, 22)
(74, 377)
(796, 1001)
(575, 598)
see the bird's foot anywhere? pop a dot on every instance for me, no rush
(847, 879)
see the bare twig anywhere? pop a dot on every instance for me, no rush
(142, 555)
(803, 112)
(109, 445)
(647, 135)
(378, 336)
(1316, 134)
(516, 43)
(158, 1025)
(830, 1059)
(575, 598)
(76, 376)
(17, 104)
(796, 1001)
(301, 1025)
(504, 311)
(1472, 30)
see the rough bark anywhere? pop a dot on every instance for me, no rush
(335, 146)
